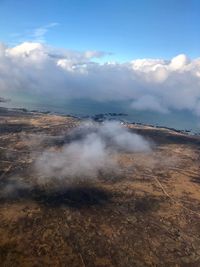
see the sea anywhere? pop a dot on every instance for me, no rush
(180, 120)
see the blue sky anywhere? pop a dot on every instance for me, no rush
(129, 29)
(38, 66)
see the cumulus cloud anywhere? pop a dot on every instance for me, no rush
(150, 84)
(91, 149)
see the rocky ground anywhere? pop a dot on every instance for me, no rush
(146, 215)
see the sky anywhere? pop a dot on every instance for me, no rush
(126, 30)
(143, 53)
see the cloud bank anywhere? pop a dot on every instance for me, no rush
(90, 149)
(35, 69)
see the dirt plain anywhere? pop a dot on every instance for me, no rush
(147, 215)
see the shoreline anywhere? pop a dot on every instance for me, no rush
(101, 117)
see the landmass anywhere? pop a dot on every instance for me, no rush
(148, 214)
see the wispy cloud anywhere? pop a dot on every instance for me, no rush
(98, 144)
(34, 35)
(38, 34)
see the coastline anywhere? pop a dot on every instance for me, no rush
(101, 117)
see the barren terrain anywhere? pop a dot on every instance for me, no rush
(147, 214)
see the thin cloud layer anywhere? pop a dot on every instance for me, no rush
(34, 69)
(34, 35)
(91, 149)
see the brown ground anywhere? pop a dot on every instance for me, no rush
(148, 215)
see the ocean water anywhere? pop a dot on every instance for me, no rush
(181, 120)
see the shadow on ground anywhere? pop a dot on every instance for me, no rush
(6, 128)
(76, 196)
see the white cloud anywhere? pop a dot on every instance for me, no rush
(38, 34)
(178, 62)
(34, 35)
(92, 150)
(151, 84)
(148, 102)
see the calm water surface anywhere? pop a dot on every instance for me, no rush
(182, 120)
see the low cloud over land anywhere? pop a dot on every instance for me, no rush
(34, 69)
(90, 149)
